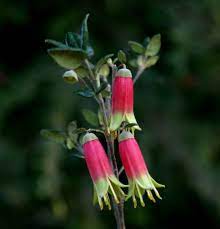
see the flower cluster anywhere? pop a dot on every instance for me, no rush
(115, 117)
(104, 180)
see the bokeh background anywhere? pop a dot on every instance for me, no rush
(177, 101)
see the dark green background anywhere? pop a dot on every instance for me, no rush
(177, 101)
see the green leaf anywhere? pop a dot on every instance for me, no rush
(69, 58)
(73, 40)
(101, 88)
(84, 33)
(71, 130)
(54, 135)
(104, 70)
(69, 143)
(122, 56)
(154, 46)
(81, 72)
(84, 38)
(72, 126)
(136, 47)
(102, 61)
(151, 61)
(56, 43)
(90, 117)
(133, 63)
(87, 93)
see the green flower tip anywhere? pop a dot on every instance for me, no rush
(125, 135)
(139, 186)
(105, 187)
(88, 137)
(124, 72)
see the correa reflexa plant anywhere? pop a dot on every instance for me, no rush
(110, 83)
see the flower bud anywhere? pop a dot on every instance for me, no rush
(136, 169)
(122, 100)
(70, 77)
(104, 180)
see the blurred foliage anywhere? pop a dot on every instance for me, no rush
(177, 103)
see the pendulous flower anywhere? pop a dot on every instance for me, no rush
(136, 170)
(122, 100)
(104, 180)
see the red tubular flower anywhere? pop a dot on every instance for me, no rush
(136, 169)
(122, 100)
(101, 171)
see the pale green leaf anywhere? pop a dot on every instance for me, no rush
(154, 46)
(151, 61)
(90, 117)
(136, 47)
(122, 56)
(69, 58)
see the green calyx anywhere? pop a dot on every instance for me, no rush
(140, 185)
(130, 118)
(119, 117)
(88, 137)
(124, 72)
(105, 186)
(125, 135)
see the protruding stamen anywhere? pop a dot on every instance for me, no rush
(100, 203)
(107, 202)
(113, 192)
(150, 196)
(134, 200)
(140, 196)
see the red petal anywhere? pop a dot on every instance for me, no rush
(96, 160)
(132, 158)
(122, 95)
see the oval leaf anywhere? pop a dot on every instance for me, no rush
(122, 56)
(69, 143)
(81, 72)
(90, 117)
(154, 46)
(151, 61)
(102, 61)
(104, 70)
(71, 130)
(136, 47)
(67, 58)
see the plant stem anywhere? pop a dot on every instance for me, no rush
(138, 74)
(106, 111)
(118, 209)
